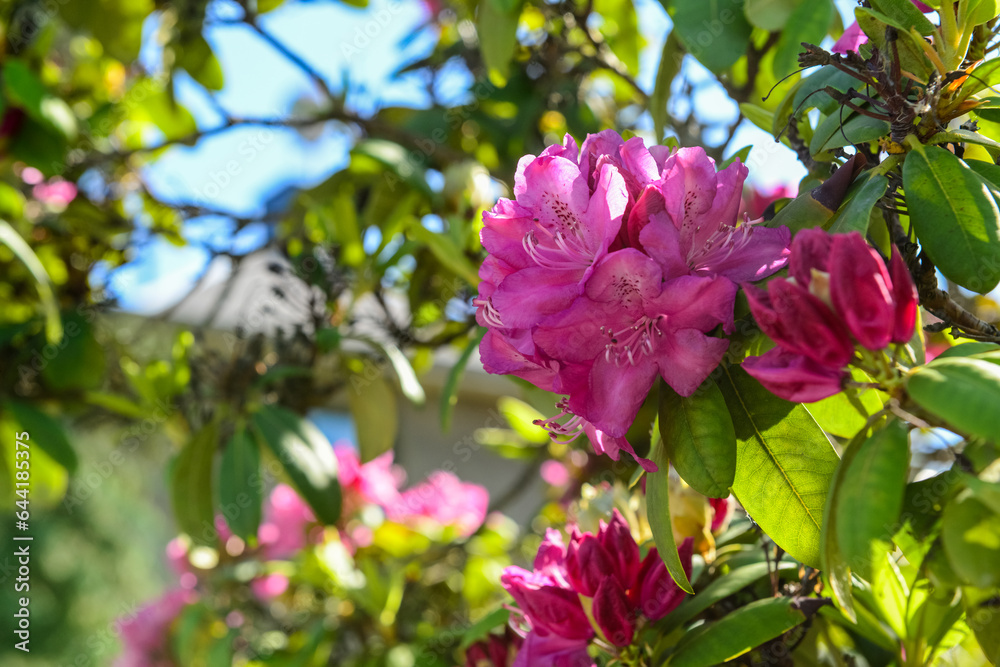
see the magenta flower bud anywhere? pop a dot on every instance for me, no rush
(547, 606)
(904, 293)
(810, 250)
(587, 565)
(551, 552)
(794, 377)
(658, 593)
(616, 538)
(860, 289)
(612, 613)
(801, 323)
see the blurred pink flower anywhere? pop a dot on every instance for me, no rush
(145, 636)
(56, 192)
(554, 473)
(444, 499)
(287, 519)
(375, 482)
(269, 586)
(756, 200)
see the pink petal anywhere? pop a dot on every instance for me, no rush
(852, 38)
(765, 252)
(527, 296)
(617, 393)
(687, 357)
(794, 377)
(660, 239)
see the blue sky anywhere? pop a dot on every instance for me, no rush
(241, 169)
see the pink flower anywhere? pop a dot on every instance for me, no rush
(56, 192)
(554, 473)
(269, 586)
(494, 651)
(287, 519)
(145, 636)
(551, 650)
(376, 482)
(688, 222)
(445, 500)
(756, 201)
(840, 294)
(628, 328)
(604, 567)
(578, 303)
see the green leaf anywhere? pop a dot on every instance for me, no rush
(497, 30)
(27, 256)
(737, 633)
(396, 159)
(856, 212)
(784, 465)
(808, 96)
(307, 457)
(658, 514)
(911, 55)
(449, 394)
(809, 23)
(964, 392)
(955, 217)
(741, 155)
(734, 581)
(970, 532)
(670, 66)
(191, 486)
(869, 497)
(196, 57)
(839, 130)
(80, 361)
(46, 433)
(241, 485)
(447, 252)
(968, 349)
(24, 89)
(846, 413)
(521, 418)
(408, 382)
(770, 15)
(759, 116)
(620, 28)
(376, 421)
(698, 438)
(715, 32)
(158, 107)
(905, 13)
(481, 629)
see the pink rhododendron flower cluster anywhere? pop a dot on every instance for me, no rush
(623, 590)
(145, 636)
(611, 267)
(839, 295)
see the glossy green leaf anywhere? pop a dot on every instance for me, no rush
(905, 13)
(970, 532)
(734, 581)
(715, 32)
(307, 457)
(784, 465)
(240, 484)
(698, 438)
(741, 155)
(449, 394)
(497, 30)
(191, 486)
(46, 433)
(658, 514)
(856, 212)
(846, 413)
(875, 24)
(737, 633)
(869, 497)
(955, 217)
(23, 252)
(759, 116)
(968, 349)
(808, 22)
(964, 392)
(839, 130)
(373, 407)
